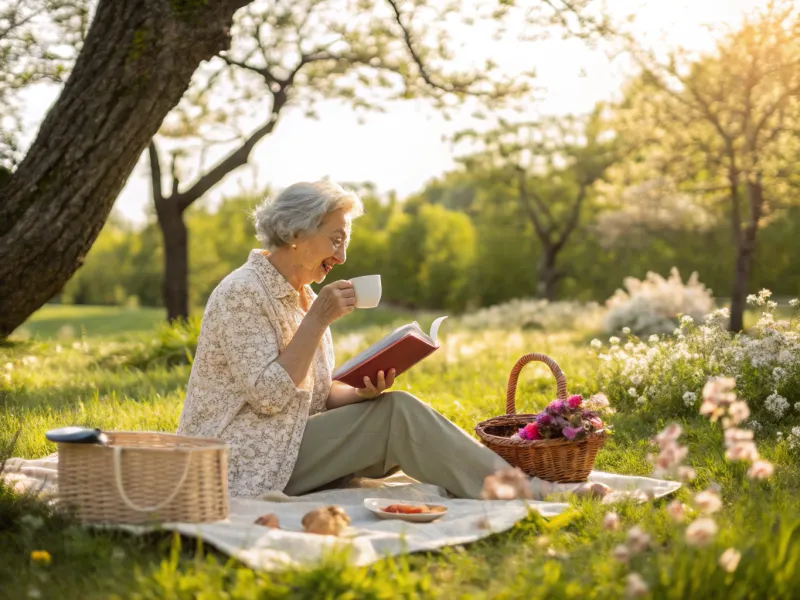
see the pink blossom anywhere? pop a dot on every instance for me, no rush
(530, 432)
(708, 502)
(676, 511)
(636, 586)
(686, 473)
(669, 434)
(544, 419)
(701, 532)
(738, 412)
(742, 451)
(761, 469)
(621, 553)
(596, 422)
(730, 559)
(571, 432)
(638, 540)
(611, 521)
(556, 407)
(574, 401)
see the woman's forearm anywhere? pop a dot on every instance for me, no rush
(297, 356)
(342, 394)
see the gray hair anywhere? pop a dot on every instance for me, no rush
(300, 209)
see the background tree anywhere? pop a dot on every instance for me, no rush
(552, 165)
(134, 65)
(724, 127)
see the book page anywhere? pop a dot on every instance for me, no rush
(385, 342)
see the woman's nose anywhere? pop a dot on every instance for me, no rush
(341, 255)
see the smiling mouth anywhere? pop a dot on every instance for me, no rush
(327, 268)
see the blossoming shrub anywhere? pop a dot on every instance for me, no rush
(667, 373)
(654, 304)
(531, 313)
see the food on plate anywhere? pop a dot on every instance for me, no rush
(268, 520)
(329, 520)
(409, 509)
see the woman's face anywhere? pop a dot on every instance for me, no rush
(318, 253)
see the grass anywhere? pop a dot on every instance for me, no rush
(51, 383)
(54, 321)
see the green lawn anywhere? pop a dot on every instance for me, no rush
(54, 321)
(51, 384)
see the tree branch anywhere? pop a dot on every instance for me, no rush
(544, 235)
(155, 173)
(574, 217)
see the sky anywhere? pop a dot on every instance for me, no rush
(404, 147)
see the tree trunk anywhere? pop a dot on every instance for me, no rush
(745, 251)
(548, 275)
(137, 61)
(176, 260)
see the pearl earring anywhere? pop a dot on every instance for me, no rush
(294, 246)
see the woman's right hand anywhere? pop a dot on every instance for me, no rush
(334, 301)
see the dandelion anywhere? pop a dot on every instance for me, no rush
(611, 521)
(730, 559)
(636, 586)
(638, 540)
(689, 398)
(41, 557)
(776, 404)
(613, 340)
(701, 532)
(632, 392)
(708, 502)
(676, 511)
(621, 553)
(596, 344)
(761, 469)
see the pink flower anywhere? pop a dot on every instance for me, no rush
(636, 586)
(669, 434)
(596, 422)
(611, 521)
(761, 469)
(571, 432)
(638, 540)
(708, 502)
(544, 419)
(621, 553)
(701, 532)
(730, 559)
(676, 511)
(574, 401)
(556, 407)
(530, 432)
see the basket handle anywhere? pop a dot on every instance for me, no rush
(128, 501)
(511, 392)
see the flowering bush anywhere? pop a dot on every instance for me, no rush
(571, 418)
(529, 313)
(665, 373)
(655, 304)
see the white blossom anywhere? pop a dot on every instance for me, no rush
(596, 344)
(776, 404)
(689, 398)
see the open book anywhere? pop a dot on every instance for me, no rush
(400, 350)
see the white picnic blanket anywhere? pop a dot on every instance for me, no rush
(368, 539)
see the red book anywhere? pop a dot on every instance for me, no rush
(400, 350)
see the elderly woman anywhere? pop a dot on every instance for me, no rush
(261, 379)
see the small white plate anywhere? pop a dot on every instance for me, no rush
(377, 505)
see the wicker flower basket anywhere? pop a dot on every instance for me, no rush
(143, 478)
(559, 460)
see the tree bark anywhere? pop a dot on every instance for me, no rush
(548, 274)
(745, 251)
(176, 260)
(137, 61)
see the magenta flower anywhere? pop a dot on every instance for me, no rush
(544, 419)
(571, 432)
(530, 432)
(556, 407)
(574, 401)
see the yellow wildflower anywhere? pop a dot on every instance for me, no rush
(41, 556)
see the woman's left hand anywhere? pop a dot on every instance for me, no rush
(373, 391)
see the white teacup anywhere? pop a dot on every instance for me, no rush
(368, 290)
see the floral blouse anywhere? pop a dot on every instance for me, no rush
(238, 392)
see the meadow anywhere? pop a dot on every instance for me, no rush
(119, 370)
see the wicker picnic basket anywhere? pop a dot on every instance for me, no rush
(559, 460)
(144, 477)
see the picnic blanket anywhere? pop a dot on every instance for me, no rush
(368, 539)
